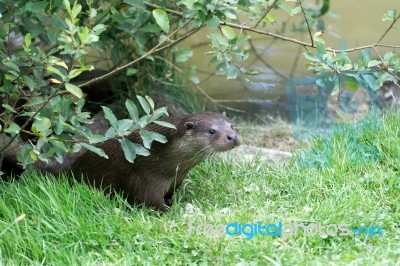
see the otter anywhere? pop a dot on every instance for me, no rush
(152, 180)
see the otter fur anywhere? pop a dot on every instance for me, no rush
(153, 179)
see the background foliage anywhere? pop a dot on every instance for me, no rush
(47, 45)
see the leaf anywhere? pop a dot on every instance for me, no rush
(75, 90)
(144, 104)
(76, 9)
(27, 39)
(320, 48)
(123, 126)
(131, 71)
(108, 114)
(309, 56)
(232, 72)
(41, 124)
(390, 15)
(213, 23)
(129, 150)
(218, 40)
(132, 110)
(228, 32)
(295, 10)
(373, 63)
(29, 82)
(352, 85)
(150, 101)
(9, 108)
(94, 149)
(269, 18)
(183, 55)
(140, 150)
(12, 129)
(161, 18)
(11, 65)
(96, 138)
(164, 124)
(54, 70)
(150, 136)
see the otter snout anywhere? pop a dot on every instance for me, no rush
(235, 138)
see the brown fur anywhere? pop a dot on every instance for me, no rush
(153, 179)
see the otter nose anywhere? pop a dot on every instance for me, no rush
(232, 137)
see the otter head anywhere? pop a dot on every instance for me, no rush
(211, 132)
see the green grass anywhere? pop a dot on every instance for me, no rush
(330, 184)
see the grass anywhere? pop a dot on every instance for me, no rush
(354, 180)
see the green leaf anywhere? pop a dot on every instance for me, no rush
(108, 114)
(131, 71)
(132, 110)
(391, 15)
(183, 55)
(96, 138)
(218, 40)
(29, 82)
(27, 39)
(144, 104)
(129, 149)
(228, 32)
(321, 48)
(150, 136)
(123, 126)
(352, 85)
(94, 149)
(11, 64)
(161, 18)
(135, 3)
(9, 108)
(140, 150)
(150, 101)
(269, 18)
(158, 113)
(213, 23)
(75, 90)
(164, 124)
(373, 63)
(67, 5)
(37, 7)
(76, 9)
(295, 10)
(41, 124)
(309, 56)
(12, 129)
(54, 70)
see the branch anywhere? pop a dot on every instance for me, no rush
(155, 49)
(308, 25)
(284, 38)
(264, 14)
(198, 87)
(387, 30)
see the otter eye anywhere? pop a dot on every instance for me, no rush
(232, 127)
(212, 131)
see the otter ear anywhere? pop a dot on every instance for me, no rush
(224, 114)
(189, 125)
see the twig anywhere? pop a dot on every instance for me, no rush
(198, 87)
(281, 37)
(253, 48)
(155, 49)
(387, 30)
(264, 14)
(308, 25)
